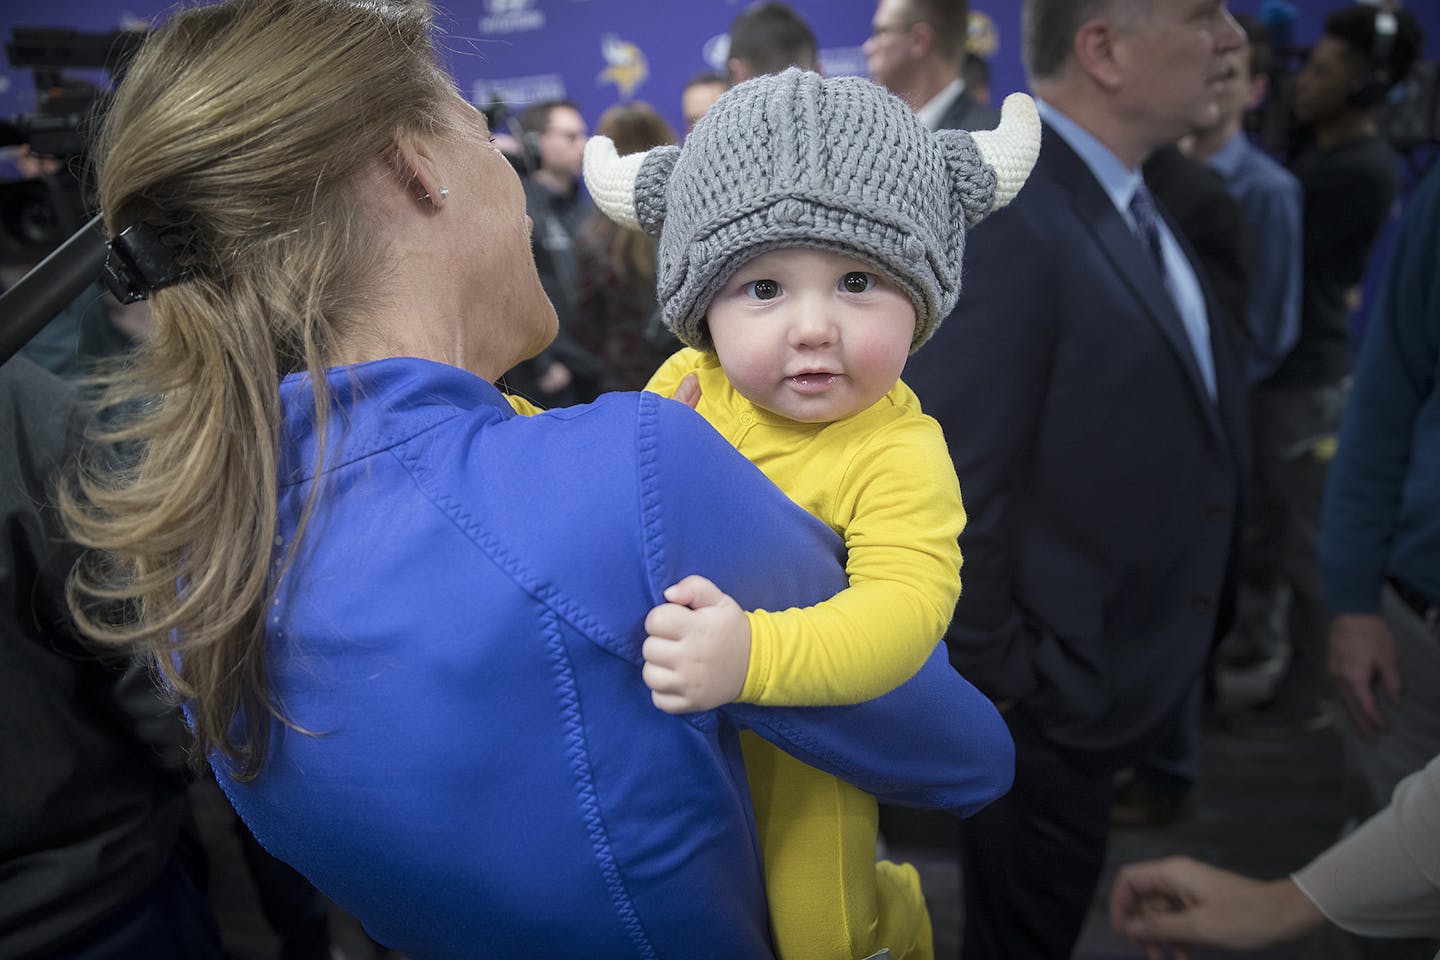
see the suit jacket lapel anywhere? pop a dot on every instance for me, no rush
(1129, 258)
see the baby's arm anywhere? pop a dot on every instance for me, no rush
(901, 513)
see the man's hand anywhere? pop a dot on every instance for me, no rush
(698, 648)
(1163, 904)
(1362, 652)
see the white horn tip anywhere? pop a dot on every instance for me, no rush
(610, 179)
(1011, 148)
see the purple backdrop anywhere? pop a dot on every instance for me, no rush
(601, 51)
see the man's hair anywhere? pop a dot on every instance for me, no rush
(1047, 30)
(950, 19)
(771, 36)
(1354, 26)
(706, 79)
(1257, 37)
(536, 117)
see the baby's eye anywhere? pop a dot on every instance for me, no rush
(762, 289)
(857, 282)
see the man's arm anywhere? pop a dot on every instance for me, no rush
(1381, 880)
(1273, 311)
(1393, 378)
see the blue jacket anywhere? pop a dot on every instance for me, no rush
(462, 633)
(1382, 497)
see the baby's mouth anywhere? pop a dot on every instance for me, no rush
(812, 380)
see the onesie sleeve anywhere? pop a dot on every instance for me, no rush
(675, 368)
(900, 509)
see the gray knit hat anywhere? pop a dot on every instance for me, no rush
(793, 159)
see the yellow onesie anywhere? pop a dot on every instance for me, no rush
(883, 480)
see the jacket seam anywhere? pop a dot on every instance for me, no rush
(581, 767)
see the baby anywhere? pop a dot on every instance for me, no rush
(810, 239)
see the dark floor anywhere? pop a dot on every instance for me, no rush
(1260, 808)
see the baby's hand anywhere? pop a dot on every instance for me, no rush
(688, 392)
(698, 648)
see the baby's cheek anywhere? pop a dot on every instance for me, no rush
(749, 371)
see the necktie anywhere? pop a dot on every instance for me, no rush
(1192, 310)
(1147, 227)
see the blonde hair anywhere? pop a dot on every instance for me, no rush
(240, 134)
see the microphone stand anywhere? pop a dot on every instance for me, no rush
(54, 282)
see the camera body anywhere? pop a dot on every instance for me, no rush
(41, 210)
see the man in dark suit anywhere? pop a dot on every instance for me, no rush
(915, 50)
(1093, 410)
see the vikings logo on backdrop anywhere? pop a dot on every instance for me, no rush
(982, 37)
(627, 65)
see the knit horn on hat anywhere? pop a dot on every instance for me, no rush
(1009, 151)
(629, 190)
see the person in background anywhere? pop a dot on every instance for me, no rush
(1380, 553)
(558, 132)
(798, 318)
(406, 622)
(90, 331)
(1380, 532)
(1254, 271)
(915, 49)
(1270, 200)
(618, 318)
(99, 857)
(555, 132)
(1349, 179)
(1094, 415)
(1380, 881)
(767, 37)
(1195, 199)
(702, 91)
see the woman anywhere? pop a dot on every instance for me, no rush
(618, 318)
(407, 622)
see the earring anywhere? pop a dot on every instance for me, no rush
(444, 192)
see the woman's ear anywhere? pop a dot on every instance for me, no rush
(416, 165)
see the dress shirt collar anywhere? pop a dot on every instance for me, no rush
(1117, 180)
(933, 111)
(1226, 161)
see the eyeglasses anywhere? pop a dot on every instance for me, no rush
(877, 31)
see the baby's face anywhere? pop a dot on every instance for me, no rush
(812, 335)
